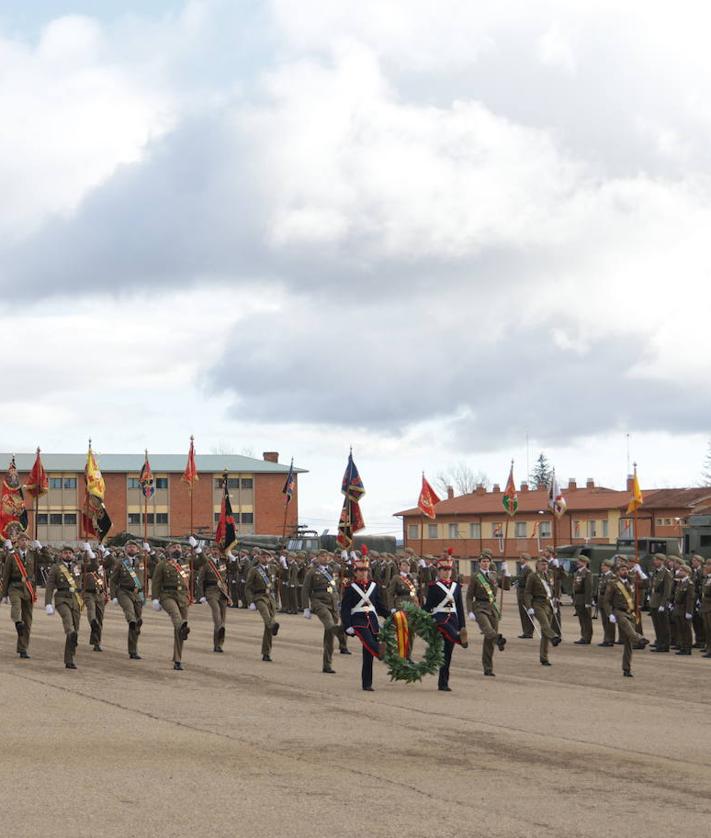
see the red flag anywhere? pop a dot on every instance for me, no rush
(226, 532)
(190, 475)
(428, 499)
(13, 515)
(37, 480)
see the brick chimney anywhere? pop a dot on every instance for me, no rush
(495, 489)
(271, 456)
(480, 489)
(630, 482)
(450, 492)
(589, 483)
(572, 485)
(524, 486)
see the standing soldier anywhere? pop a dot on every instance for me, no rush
(582, 600)
(402, 588)
(706, 606)
(127, 591)
(171, 593)
(18, 586)
(360, 607)
(212, 589)
(94, 594)
(301, 568)
(260, 596)
(619, 597)
(660, 587)
(537, 598)
(684, 601)
(444, 602)
(482, 607)
(320, 596)
(673, 563)
(523, 569)
(697, 578)
(62, 587)
(607, 577)
(232, 573)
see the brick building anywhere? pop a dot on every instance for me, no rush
(255, 491)
(595, 515)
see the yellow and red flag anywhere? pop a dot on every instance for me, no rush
(510, 497)
(37, 480)
(428, 499)
(637, 500)
(13, 515)
(95, 519)
(190, 475)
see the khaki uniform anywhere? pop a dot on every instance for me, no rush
(401, 590)
(619, 597)
(537, 595)
(660, 585)
(608, 628)
(320, 594)
(62, 586)
(481, 601)
(126, 587)
(13, 586)
(94, 593)
(697, 578)
(523, 570)
(171, 589)
(259, 590)
(208, 586)
(684, 602)
(706, 611)
(582, 600)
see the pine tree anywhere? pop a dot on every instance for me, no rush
(542, 473)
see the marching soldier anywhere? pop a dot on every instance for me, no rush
(684, 602)
(18, 586)
(402, 588)
(659, 598)
(127, 591)
(94, 594)
(706, 606)
(582, 600)
(62, 588)
(538, 599)
(320, 595)
(212, 589)
(360, 607)
(444, 602)
(171, 593)
(523, 569)
(607, 577)
(482, 608)
(619, 597)
(232, 574)
(697, 579)
(260, 596)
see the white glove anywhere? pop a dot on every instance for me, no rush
(36, 545)
(350, 630)
(307, 613)
(344, 554)
(554, 563)
(612, 618)
(103, 550)
(393, 610)
(6, 600)
(156, 605)
(146, 547)
(506, 569)
(282, 562)
(8, 544)
(49, 609)
(689, 616)
(85, 546)
(199, 547)
(530, 612)
(353, 555)
(203, 600)
(661, 609)
(638, 570)
(556, 602)
(422, 563)
(231, 557)
(252, 606)
(114, 601)
(472, 616)
(90, 554)
(589, 607)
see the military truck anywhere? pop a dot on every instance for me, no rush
(697, 535)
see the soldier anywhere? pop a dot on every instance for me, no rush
(171, 593)
(62, 587)
(697, 578)
(127, 591)
(360, 607)
(233, 579)
(212, 589)
(444, 602)
(320, 597)
(619, 597)
(302, 565)
(538, 600)
(482, 608)
(683, 613)
(522, 571)
(607, 577)
(259, 591)
(19, 587)
(582, 600)
(244, 567)
(659, 599)
(673, 563)
(94, 594)
(706, 606)
(556, 574)
(402, 588)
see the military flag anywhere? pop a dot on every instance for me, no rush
(636, 500)
(95, 519)
(290, 483)
(351, 520)
(37, 480)
(226, 532)
(428, 499)
(190, 475)
(352, 485)
(510, 497)
(556, 502)
(13, 515)
(146, 479)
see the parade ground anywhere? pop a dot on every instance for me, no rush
(233, 746)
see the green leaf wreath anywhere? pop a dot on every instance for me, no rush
(422, 625)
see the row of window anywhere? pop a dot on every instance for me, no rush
(56, 519)
(150, 518)
(240, 517)
(62, 482)
(520, 529)
(158, 483)
(667, 522)
(234, 483)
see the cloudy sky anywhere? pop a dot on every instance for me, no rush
(423, 229)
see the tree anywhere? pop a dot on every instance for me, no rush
(222, 447)
(462, 478)
(542, 473)
(706, 472)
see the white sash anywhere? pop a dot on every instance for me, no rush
(447, 605)
(365, 604)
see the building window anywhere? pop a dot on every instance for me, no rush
(161, 517)
(660, 522)
(216, 517)
(42, 519)
(592, 529)
(70, 519)
(55, 482)
(412, 530)
(545, 529)
(55, 519)
(474, 530)
(452, 530)
(247, 482)
(625, 526)
(604, 528)
(521, 529)
(431, 530)
(134, 518)
(232, 483)
(247, 517)
(161, 482)
(69, 482)
(497, 530)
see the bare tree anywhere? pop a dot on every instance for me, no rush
(462, 478)
(222, 447)
(706, 472)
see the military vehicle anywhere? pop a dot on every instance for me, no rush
(697, 535)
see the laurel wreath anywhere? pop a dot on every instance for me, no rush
(423, 626)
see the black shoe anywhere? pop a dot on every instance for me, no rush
(70, 666)
(178, 665)
(699, 645)
(344, 651)
(217, 649)
(97, 648)
(135, 656)
(661, 649)
(371, 690)
(706, 655)
(139, 623)
(501, 642)
(328, 670)
(25, 657)
(275, 629)
(619, 643)
(580, 642)
(627, 674)
(73, 639)
(556, 640)
(490, 673)
(19, 628)
(525, 637)
(221, 636)
(683, 652)
(184, 630)
(132, 626)
(606, 644)
(643, 643)
(445, 688)
(545, 663)
(94, 625)
(266, 658)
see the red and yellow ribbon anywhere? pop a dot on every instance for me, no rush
(402, 632)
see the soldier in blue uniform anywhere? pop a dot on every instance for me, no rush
(360, 607)
(444, 602)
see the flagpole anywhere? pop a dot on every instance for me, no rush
(286, 510)
(637, 612)
(145, 535)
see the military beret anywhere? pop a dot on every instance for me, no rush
(487, 553)
(674, 558)
(698, 557)
(660, 557)
(525, 556)
(582, 558)
(607, 563)
(67, 547)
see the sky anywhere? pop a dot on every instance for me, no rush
(439, 233)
